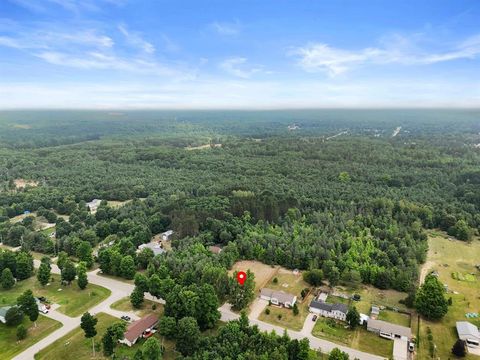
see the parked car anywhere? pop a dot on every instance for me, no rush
(42, 298)
(356, 297)
(126, 318)
(314, 318)
(411, 346)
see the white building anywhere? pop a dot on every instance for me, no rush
(468, 333)
(279, 298)
(166, 235)
(388, 330)
(94, 204)
(3, 313)
(335, 311)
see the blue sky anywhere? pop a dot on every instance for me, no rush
(239, 54)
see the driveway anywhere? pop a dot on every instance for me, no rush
(308, 325)
(257, 308)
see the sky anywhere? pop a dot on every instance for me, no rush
(245, 54)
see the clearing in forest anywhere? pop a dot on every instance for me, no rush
(448, 256)
(263, 273)
(23, 183)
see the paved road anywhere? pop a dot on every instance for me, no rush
(121, 289)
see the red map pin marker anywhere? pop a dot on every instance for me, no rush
(241, 277)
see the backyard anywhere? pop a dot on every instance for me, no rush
(447, 257)
(73, 301)
(9, 346)
(263, 273)
(288, 282)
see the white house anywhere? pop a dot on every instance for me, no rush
(94, 204)
(279, 298)
(3, 313)
(41, 307)
(388, 330)
(155, 247)
(468, 333)
(167, 234)
(335, 311)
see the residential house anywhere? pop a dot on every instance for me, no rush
(468, 333)
(3, 313)
(154, 246)
(167, 234)
(335, 311)
(388, 330)
(94, 204)
(137, 329)
(279, 298)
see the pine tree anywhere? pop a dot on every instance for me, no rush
(82, 280)
(7, 280)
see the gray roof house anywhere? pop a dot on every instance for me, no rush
(468, 333)
(336, 311)
(3, 312)
(388, 330)
(280, 298)
(155, 247)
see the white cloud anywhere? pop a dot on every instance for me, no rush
(395, 50)
(236, 66)
(75, 6)
(134, 39)
(226, 28)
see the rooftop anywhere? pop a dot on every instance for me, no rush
(316, 304)
(389, 328)
(281, 296)
(464, 328)
(136, 329)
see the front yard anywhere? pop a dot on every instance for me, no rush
(284, 317)
(9, 346)
(360, 338)
(146, 309)
(73, 301)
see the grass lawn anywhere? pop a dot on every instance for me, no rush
(125, 305)
(447, 257)
(263, 273)
(288, 282)
(9, 346)
(373, 296)
(395, 317)
(288, 320)
(72, 300)
(336, 299)
(359, 338)
(118, 278)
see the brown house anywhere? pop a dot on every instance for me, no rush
(138, 328)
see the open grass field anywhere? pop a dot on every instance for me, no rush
(395, 317)
(263, 273)
(9, 346)
(373, 296)
(287, 320)
(288, 282)
(125, 305)
(446, 257)
(72, 300)
(359, 338)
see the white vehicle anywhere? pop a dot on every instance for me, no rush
(411, 346)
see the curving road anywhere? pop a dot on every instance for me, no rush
(121, 289)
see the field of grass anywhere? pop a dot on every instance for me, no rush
(446, 257)
(288, 282)
(395, 317)
(125, 305)
(288, 320)
(72, 300)
(9, 346)
(360, 338)
(373, 296)
(263, 273)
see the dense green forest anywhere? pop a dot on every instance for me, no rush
(355, 205)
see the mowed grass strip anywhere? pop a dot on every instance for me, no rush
(9, 346)
(73, 301)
